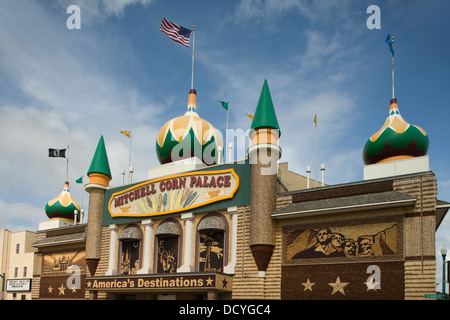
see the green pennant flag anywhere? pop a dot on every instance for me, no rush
(224, 104)
(80, 180)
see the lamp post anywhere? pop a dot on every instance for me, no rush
(2, 293)
(444, 255)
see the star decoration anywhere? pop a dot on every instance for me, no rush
(209, 281)
(61, 289)
(338, 286)
(74, 289)
(372, 284)
(308, 285)
(50, 289)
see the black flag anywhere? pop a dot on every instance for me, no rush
(57, 153)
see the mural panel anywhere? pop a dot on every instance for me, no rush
(130, 257)
(342, 241)
(60, 262)
(211, 251)
(167, 254)
(352, 259)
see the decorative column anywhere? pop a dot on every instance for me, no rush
(113, 253)
(230, 267)
(99, 175)
(148, 247)
(263, 156)
(188, 242)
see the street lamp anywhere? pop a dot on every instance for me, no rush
(444, 255)
(2, 293)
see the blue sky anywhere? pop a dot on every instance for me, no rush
(62, 87)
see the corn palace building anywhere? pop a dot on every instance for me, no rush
(199, 228)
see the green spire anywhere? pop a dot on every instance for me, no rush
(265, 116)
(100, 162)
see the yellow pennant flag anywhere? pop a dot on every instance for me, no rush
(127, 133)
(250, 115)
(315, 119)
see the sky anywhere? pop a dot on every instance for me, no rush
(64, 87)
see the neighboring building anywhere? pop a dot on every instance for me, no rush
(60, 245)
(16, 264)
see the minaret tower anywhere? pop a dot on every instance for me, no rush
(99, 175)
(263, 156)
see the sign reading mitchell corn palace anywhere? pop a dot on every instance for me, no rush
(174, 193)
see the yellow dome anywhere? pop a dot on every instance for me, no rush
(188, 136)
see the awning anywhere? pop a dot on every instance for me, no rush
(130, 233)
(168, 228)
(211, 223)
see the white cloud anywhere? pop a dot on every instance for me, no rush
(64, 91)
(20, 216)
(315, 12)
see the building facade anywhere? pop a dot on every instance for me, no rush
(199, 228)
(17, 261)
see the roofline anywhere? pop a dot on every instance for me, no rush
(49, 244)
(306, 213)
(355, 183)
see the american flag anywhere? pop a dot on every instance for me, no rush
(175, 32)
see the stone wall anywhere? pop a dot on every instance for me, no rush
(420, 227)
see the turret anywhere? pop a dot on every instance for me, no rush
(263, 156)
(99, 175)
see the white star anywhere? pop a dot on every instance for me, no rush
(50, 289)
(308, 285)
(371, 284)
(338, 286)
(61, 290)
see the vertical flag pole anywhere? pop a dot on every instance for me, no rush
(67, 166)
(226, 132)
(82, 189)
(393, 87)
(130, 169)
(129, 158)
(390, 42)
(193, 53)
(392, 51)
(315, 124)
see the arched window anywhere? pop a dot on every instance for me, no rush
(212, 232)
(168, 243)
(130, 249)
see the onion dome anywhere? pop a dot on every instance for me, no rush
(396, 140)
(63, 206)
(188, 136)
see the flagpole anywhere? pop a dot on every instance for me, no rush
(226, 132)
(393, 87)
(193, 53)
(67, 166)
(316, 147)
(82, 189)
(129, 162)
(129, 158)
